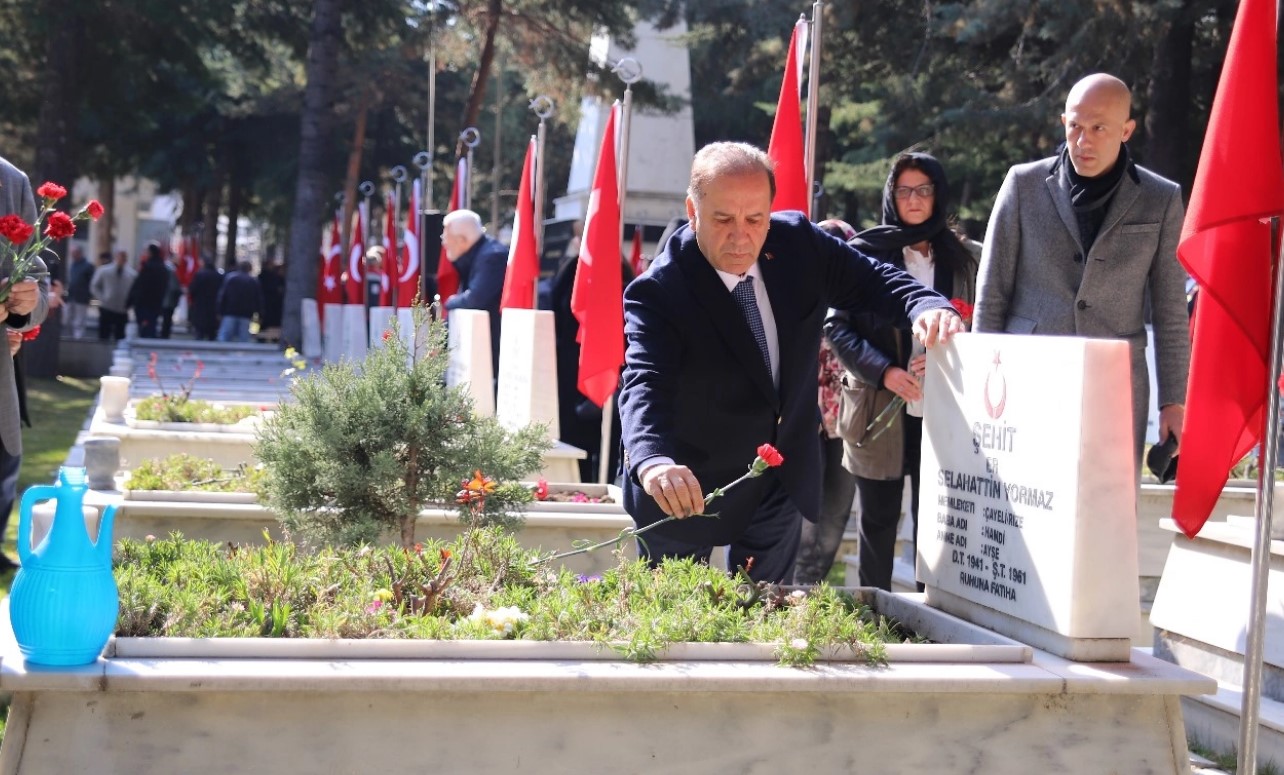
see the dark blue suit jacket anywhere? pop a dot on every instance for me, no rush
(481, 284)
(696, 388)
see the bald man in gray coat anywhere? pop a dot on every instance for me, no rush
(1079, 243)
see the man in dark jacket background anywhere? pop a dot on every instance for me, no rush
(239, 300)
(480, 262)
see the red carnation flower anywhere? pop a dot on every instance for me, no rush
(27, 336)
(964, 309)
(95, 209)
(50, 190)
(59, 226)
(16, 230)
(770, 455)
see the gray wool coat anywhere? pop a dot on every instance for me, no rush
(1035, 279)
(16, 198)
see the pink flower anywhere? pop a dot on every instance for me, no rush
(541, 489)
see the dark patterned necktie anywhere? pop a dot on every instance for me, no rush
(743, 294)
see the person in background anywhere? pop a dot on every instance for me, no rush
(239, 301)
(169, 303)
(819, 542)
(147, 297)
(272, 288)
(481, 262)
(722, 336)
(1083, 242)
(202, 308)
(80, 273)
(111, 286)
(883, 363)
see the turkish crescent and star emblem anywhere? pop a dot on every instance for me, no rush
(996, 390)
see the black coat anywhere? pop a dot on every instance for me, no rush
(695, 386)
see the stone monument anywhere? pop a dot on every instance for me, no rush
(470, 357)
(1027, 497)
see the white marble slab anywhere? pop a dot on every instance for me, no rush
(527, 391)
(380, 324)
(1027, 520)
(355, 336)
(333, 339)
(311, 323)
(470, 358)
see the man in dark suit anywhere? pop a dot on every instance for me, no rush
(481, 262)
(723, 334)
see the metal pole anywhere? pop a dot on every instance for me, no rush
(1262, 541)
(813, 102)
(432, 118)
(495, 162)
(399, 176)
(422, 160)
(543, 107)
(471, 138)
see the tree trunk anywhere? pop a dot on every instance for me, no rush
(1168, 134)
(56, 136)
(477, 90)
(311, 202)
(350, 180)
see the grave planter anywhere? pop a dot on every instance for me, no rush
(240, 518)
(410, 707)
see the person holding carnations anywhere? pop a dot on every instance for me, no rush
(25, 303)
(883, 438)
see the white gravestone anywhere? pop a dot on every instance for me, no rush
(527, 371)
(311, 322)
(354, 332)
(1027, 504)
(332, 341)
(380, 325)
(416, 346)
(470, 355)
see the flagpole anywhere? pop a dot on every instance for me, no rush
(630, 71)
(367, 189)
(813, 102)
(398, 177)
(471, 138)
(543, 107)
(1266, 458)
(422, 160)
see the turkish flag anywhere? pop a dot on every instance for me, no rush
(1226, 247)
(635, 259)
(356, 261)
(447, 277)
(328, 290)
(786, 147)
(408, 283)
(597, 297)
(523, 263)
(388, 269)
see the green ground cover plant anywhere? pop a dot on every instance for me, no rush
(482, 585)
(188, 472)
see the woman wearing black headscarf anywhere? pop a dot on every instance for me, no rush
(882, 365)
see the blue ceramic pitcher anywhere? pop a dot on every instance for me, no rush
(64, 602)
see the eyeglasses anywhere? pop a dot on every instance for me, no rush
(924, 191)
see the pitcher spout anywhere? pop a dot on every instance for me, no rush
(104, 543)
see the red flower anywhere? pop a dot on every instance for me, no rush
(59, 226)
(15, 229)
(445, 554)
(541, 489)
(200, 366)
(95, 209)
(964, 309)
(387, 334)
(51, 191)
(151, 366)
(770, 455)
(27, 336)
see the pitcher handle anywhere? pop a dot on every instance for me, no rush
(33, 495)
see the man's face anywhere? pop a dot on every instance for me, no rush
(1097, 125)
(455, 244)
(121, 258)
(731, 220)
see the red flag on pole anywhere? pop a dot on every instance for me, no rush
(388, 269)
(408, 283)
(786, 146)
(523, 264)
(635, 259)
(328, 289)
(447, 277)
(356, 261)
(597, 298)
(1227, 249)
